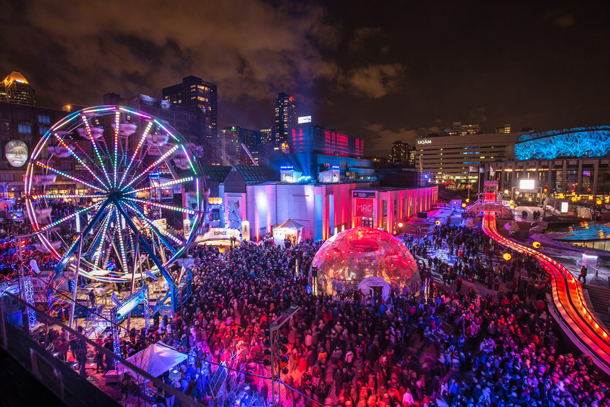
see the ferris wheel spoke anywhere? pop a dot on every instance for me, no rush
(153, 165)
(65, 218)
(95, 148)
(121, 242)
(115, 163)
(70, 176)
(99, 249)
(162, 186)
(144, 244)
(135, 152)
(163, 206)
(162, 235)
(81, 161)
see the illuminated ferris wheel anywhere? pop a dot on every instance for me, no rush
(118, 186)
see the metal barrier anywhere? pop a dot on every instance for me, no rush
(65, 383)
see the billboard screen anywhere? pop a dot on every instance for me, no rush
(304, 119)
(564, 207)
(526, 184)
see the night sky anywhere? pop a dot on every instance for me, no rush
(383, 70)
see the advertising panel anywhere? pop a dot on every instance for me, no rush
(364, 208)
(304, 119)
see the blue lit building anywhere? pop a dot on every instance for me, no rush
(569, 164)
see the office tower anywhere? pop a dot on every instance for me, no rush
(195, 93)
(16, 89)
(285, 117)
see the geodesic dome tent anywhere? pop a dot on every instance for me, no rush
(353, 255)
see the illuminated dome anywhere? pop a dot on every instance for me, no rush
(15, 77)
(347, 258)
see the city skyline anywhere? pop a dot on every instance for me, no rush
(382, 75)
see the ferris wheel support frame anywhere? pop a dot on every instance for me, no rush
(144, 245)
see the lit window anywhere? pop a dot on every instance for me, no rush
(43, 119)
(43, 129)
(25, 129)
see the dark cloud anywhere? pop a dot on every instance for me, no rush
(378, 72)
(360, 36)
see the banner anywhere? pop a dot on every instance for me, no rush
(472, 169)
(364, 208)
(492, 172)
(481, 170)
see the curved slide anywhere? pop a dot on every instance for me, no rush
(571, 310)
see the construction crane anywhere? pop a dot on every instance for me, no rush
(249, 154)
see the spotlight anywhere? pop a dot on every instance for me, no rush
(507, 256)
(536, 245)
(400, 224)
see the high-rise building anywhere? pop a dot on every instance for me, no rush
(195, 93)
(285, 117)
(267, 135)
(16, 89)
(402, 153)
(186, 120)
(229, 146)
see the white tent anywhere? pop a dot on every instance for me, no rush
(369, 283)
(155, 360)
(291, 229)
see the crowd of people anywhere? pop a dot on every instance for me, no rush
(456, 349)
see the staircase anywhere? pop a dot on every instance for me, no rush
(600, 299)
(219, 378)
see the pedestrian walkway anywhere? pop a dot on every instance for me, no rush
(576, 318)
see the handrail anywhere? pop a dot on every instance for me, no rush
(568, 298)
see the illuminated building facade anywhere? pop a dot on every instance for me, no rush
(285, 117)
(455, 161)
(317, 140)
(195, 93)
(327, 209)
(566, 164)
(21, 127)
(402, 153)
(16, 89)
(267, 135)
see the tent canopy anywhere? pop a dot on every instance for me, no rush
(368, 283)
(155, 360)
(290, 224)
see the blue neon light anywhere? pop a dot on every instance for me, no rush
(576, 142)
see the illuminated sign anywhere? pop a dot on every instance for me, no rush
(564, 207)
(220, 234)
(364, 208)
(424, 141)
(215, 201)
(526, 184)
(304, 119)
(16, 153)
(363, 194)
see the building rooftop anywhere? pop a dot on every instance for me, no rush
(257, 174)
(15, 77)
(216, 172)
